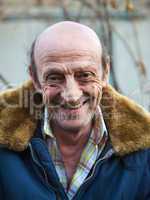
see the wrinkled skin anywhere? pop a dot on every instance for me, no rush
(72, 92)
(69, 68)
(68, 60)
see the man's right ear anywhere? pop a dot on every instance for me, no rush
(34, 78)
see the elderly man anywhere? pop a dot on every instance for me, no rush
(82, 140)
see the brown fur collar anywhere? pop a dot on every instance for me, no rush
(128, 124)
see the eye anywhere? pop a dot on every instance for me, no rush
(84, 75)
(54, 78)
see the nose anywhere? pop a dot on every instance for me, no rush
(71, 91)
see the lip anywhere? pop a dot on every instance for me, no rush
(74, 107)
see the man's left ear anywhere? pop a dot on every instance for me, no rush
(34, 78)
(106, 72)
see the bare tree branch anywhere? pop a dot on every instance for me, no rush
(109, 45)
(4, 81)
(78, 17)
(140, 62)
(64, 8)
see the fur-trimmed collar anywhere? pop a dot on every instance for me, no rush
(128, 124)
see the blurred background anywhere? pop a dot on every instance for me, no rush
(122, 25)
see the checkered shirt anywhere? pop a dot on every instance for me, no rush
(92, 150)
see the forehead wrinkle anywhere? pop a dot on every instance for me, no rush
(74, 65)
(55, 56)
(69, 68)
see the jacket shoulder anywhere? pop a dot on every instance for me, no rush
(7, 157)
(137, 159)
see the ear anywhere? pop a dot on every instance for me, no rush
(34, 78)
(106, 72)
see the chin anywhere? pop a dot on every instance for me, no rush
(71, 125)
(73, 120)
(75, 124)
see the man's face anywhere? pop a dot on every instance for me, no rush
(71, 87)
(68, 63)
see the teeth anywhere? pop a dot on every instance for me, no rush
(75, 107)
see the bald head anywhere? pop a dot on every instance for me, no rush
(65, 39)
(68, 37)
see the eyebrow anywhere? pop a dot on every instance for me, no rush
(65, 55)
(77, 68)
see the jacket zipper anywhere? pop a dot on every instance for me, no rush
(45, 174)
(104, 158)
(40, 166)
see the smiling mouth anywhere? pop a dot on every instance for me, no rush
(74, 107)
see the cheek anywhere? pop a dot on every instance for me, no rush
(97, 89)
(49, 93)
(94, 87)
(93, 90)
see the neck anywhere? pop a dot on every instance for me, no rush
(71, 145)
